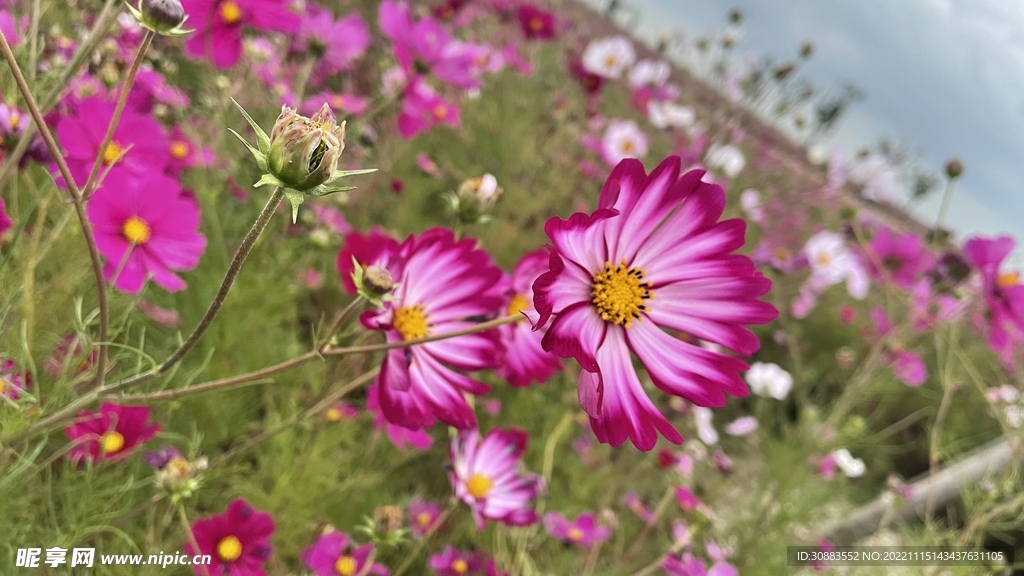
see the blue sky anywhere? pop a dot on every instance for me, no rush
(944, 75)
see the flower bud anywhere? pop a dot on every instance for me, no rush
(954, 168)
(164, 17)
(377, 280)
(806, 49)
(304, 152)
(475, 198)
(388, 518)
(736, 16)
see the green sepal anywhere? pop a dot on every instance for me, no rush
(175, 32)
(323, 190)
(262, 140)
(376, 300)
(269, 179)
(295, 198)
(339, 174)
(261, 158)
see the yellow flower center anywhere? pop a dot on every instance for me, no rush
(346, 566)
(575, 534)
(179, 150)
(333, 414)
(618, 293)
(135, 230)
(536, 24)
(3, 385)
(627, 146)
(111, 153)
(411, 322)
(782, 253)
(460, 566)
(1007, 279)
(423, 519)
(824, 259)
(229, 549)
(518, 304)
(230, 13)
(113, 442)
(610, 61)
(440, 111)
(15, 120)
(479, 485)
(338, 102)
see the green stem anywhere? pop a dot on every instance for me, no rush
(187, 527)
(947, 196)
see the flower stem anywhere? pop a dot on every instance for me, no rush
(947, 196)
(659, 511)
(423, 541)
(91, 184)
(406, 343)
(76, 193)
(187, 527)
(218, 300)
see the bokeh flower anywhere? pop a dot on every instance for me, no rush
(145, 228)
(453, 562)
(400, 436)
(238, 541)
(1003, 292)
(653, 255)
(623, 139)
(485, 475)
(536, 24)
(220, 23)
(112, 433)
(583, 531)
(423, 515)
(337, 43)
(523, 360)
(769, 379)
(12, 378)
(608, 57)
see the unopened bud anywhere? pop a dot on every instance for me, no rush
(806, 49)
(783, 72)
(476, 197)
(736, 16)
(388, 518)
(304, 152)
(377, 280)
(164, 17)
(954, 168)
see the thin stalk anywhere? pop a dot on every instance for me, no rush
(947, 196)
(33, 40)
(91, 184)
(187, 527)
(76, 193)
(406, 343)
(660, 510)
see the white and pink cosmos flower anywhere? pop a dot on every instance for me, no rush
(652, 257)
(623, 139)
(485, 475)
(609, 57)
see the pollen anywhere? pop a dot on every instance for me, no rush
(230, 12)
(423, 519)
(345, 566)
(179, 150)
(15, 120)
(333, 415)
(518, 304)
(620, 294)
(411, 322)
(1007, 279)
(136, 230)
(459, 566)
(229, 549)
(111, 153)
(627, 146)
(479, 485)
(610, 61)
(824, 258)
(536, 24)
(440, 111)
(575, 534)
(113, 442)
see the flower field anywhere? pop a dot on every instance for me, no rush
(475, 287)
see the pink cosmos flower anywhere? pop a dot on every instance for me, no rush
(741, 426)
(113, 433)
(535, 23)
(523, 360)
(165, 316)
(452, 562)
(423, 514)
(12, 379)
(5, 221)
(145, 228)
(400, 436)
(336, 42)
(238, 541)
(184, 154)
(351, 104)
(219, 25)
(652, 256)
(426, 47)
(67, 351)
(632, 501)
(898, 257)
(687, 565)
(1004, 293)
(150, 88)
(332, 218)
(367, 249)
(139, 137)
(485, 476)
(908, 367)
(423, 109)
(583, 531)
(335, 554)
(441, 283)
(9, 26)
(686, 499)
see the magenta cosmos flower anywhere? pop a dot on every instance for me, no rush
(219, 25)
(441, 283)
(423, 109)
(485, 474)
(535, 23)
(369, 249)
(426, 47)
(1004, 293)
(653, 256)
(523, 360)
(452, 562)
(5, 220)
(337, 42)
(900, 258)
(110, 434)
(12, 379)
(423, 514)
(583, 531)
(139, 145)
(238, 541)
(146, 228)
(400, 436)
(335, 554)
